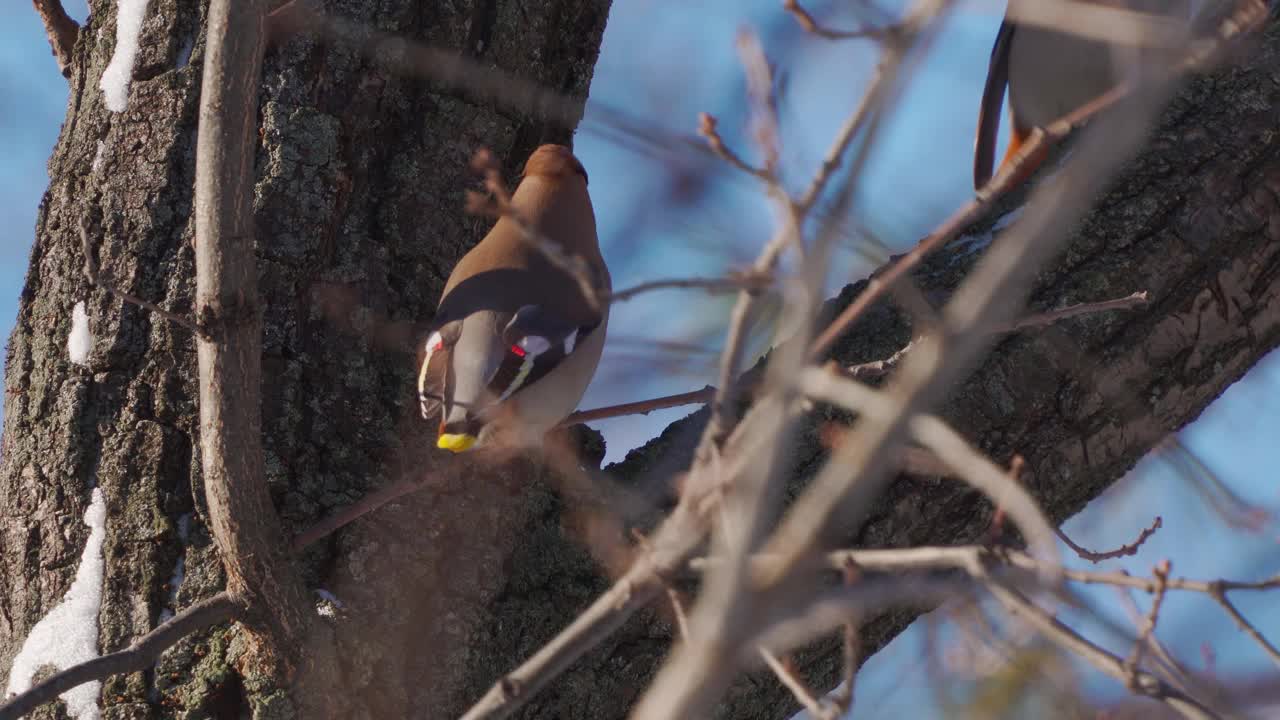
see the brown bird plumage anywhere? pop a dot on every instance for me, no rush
(515, 343)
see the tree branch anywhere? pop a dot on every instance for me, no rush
(242, 519)
(61, 30)
(94, 275)
(142, 654)
(1217, 591)
(1122, 551)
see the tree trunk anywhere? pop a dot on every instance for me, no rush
(360, 178)
(359, 193)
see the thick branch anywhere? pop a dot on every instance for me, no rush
(142, 654)
(61, 30)
(241, 516)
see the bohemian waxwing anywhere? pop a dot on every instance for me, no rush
(514, 341)
(1049, 73)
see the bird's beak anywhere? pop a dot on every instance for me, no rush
(456, 442)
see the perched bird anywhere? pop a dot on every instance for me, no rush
(515, 339)
(1049, 73)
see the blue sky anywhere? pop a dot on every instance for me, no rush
(919, 172)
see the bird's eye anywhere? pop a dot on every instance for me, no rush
(519, 351)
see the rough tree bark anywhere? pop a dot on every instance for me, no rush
(360, 180)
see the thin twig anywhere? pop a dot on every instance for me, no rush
(142, 654)
(763, 115)
(1043, 319)
(1147, 631)
(675, 541)
(842, 697)
(677, 607)
(1139, 681)
(61, 30)
(1122, 551)
(811, 26)
(642, 407)
(355, 511)
(786, 675)
(1217, 591)
(94, 275)
(707, 124)
(949, 447)
(1173, 671)
(750, 281)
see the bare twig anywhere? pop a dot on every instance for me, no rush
(749, 281)
(142, 654)
(94, 275)
(670, 548)
(677, 607)
(949, 447)
(355, 511)
(1147, 631)
(813, 27)
(707, 129)
(796, 212)
(1138, 680)
(842, 697)
(642, 407)
(61, 31)
(1217, 591)
(1172, 670)
(764, 102)
(787, 676)
(1122, 551)
(1043, 319)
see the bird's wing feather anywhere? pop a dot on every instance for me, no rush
(984, 151)
(538, 342)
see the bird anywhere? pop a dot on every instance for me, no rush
(1049, 73)
(515, 340)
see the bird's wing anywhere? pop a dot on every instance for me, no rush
(984, 151)
(537, 341)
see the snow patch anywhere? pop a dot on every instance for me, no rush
(68, 635)
(329, 604)
(80, 341)
(115, 79)
(97, 157)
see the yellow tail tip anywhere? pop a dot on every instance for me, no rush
(457, 443)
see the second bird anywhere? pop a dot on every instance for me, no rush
(1049, 73)
(515, 342)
